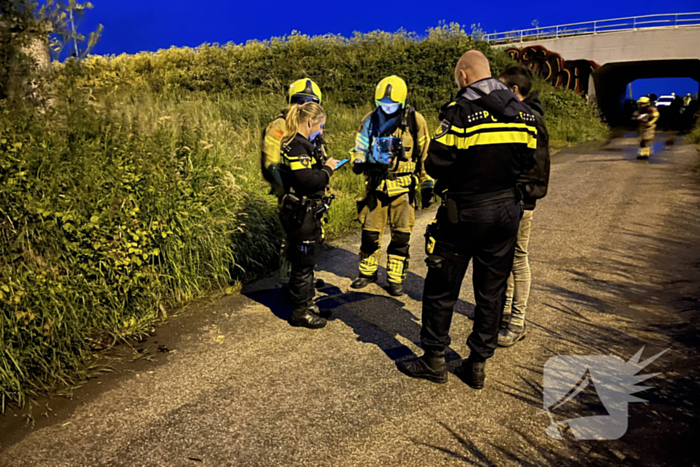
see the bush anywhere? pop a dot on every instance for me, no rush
(693, 137)
(569, 118)
(140, 188)
(348, 69)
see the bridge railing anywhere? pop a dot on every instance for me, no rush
(673, 20)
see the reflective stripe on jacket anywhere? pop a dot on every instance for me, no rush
(400, 179)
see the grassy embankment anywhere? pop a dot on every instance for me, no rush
(694, 136)
(140, 189)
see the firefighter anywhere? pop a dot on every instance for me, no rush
(486, 141)
(300, 92)
(304, 175)
(687, 100)
(390, 150)
(647, 115)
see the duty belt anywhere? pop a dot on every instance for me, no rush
(387, 175)
(455, 202)
(391, 176)
(472, 200)
(293, 199)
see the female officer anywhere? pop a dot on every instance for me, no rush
(305, 180)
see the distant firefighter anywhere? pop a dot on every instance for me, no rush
(687, 100)
(647, 115)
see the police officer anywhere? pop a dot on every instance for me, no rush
(487, 138)
(647, 115)
(305, 177)
(390, 150)
(300, 92)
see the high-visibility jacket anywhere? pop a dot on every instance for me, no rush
(270, 154)
(486, 140)
(271, 149)
(648, 118)
(303, 170)
(401, 178)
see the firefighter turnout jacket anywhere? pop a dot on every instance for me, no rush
(648, 117)
(270, 154)
(402, 177)
(486, 140)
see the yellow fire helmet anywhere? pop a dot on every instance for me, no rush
(391, 90)
(643, 101)
(303, 91)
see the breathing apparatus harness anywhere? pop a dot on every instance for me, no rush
(386, 152)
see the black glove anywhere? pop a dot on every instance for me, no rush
(358, 167)
(426, 196)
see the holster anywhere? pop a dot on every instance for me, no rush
(452, 210)
(295, 207)
(431, 232)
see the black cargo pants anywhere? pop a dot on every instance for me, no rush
(487, 234)
(304, 239)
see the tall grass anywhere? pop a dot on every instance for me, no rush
(139, 190)
(693, 137)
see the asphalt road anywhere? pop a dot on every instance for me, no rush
(616, 267)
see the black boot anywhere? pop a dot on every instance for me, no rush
(313, 308)
(395, 289)
(363, 281)
(308, 320)
(430, 366)
(472, 373)
(510, 335)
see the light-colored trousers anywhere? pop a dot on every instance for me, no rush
(519, 281)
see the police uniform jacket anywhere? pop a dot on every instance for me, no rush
(303, 171)
(486, 140)
(271, 146)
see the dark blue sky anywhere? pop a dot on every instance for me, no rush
(135, 25)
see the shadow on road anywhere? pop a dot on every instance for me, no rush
(650, 284)
(344, 263)
(377, 319)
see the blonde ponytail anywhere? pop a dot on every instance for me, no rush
(299, 114)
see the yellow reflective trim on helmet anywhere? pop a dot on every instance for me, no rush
(393, 88)
(305, 87)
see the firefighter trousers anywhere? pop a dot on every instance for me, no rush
(375, 210)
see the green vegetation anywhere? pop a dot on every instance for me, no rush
(139, 189)
(693, 137)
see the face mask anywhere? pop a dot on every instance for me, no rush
(313, 135)
(389, 108)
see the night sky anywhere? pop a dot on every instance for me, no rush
(131, 26)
